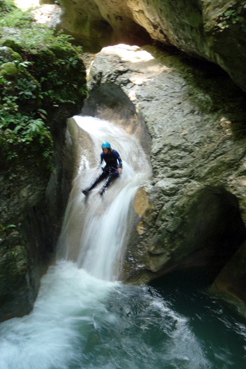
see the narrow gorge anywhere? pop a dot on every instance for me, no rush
(114, 279)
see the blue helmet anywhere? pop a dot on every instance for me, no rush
(106, 145)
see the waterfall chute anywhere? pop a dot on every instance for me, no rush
(95, 228)
(83, 321)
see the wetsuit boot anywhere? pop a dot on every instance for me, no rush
(85, 192)
(102, 190)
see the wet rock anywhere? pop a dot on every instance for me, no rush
(192, 212)
(211, 30)
(230, 283)
(33, 192)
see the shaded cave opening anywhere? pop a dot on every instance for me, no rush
(214, 231)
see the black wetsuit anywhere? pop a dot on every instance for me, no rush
(110, 171)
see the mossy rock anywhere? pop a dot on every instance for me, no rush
(8, 55)
(12, 44)
(13, 276)
(9, 70)
(19, 84)
(43, 83)
(62, 75)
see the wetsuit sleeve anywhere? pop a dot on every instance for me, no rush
(118, 158)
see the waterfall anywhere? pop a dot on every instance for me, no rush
(82, 320)
(95, 229)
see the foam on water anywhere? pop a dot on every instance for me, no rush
(94, 229)
(81, 322)
(82, 319)
(46, 338)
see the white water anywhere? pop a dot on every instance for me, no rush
(80, 321)
(68, 299)
(92, 238)
(95, 229)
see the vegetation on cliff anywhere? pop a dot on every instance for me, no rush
(38, 71)
(42, 83)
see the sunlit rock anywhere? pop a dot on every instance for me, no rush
(193, 210)
(48, 14)
(213, 30)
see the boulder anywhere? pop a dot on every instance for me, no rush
(191, 123)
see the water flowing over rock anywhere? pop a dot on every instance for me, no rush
(214, 30)
(193, 211)
(96, 228)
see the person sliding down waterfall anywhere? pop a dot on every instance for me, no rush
(111, 171)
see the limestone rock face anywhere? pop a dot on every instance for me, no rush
(214, 30)
(192, 212)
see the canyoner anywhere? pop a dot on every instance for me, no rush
(110, 171)
(84, 317)
(96, 238)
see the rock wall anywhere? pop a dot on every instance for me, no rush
(213, 30)
(33, 202)
(36, 159)
(193, 210)
(230, 283)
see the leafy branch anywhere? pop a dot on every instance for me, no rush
(232, 16)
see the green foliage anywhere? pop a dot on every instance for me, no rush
(21, 128)
(4, 228)
(39, 69)
(232, 16)
(61, 84)
(20, 122)
(23, 134)
(26, 88)
(6, 7)
(56, 64)
(13, 17)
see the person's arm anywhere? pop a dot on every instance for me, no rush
(119, 161)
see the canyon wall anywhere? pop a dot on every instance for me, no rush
(211, 30)
(193, 210)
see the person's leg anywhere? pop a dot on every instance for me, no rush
(113, 175)
(97, 180)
